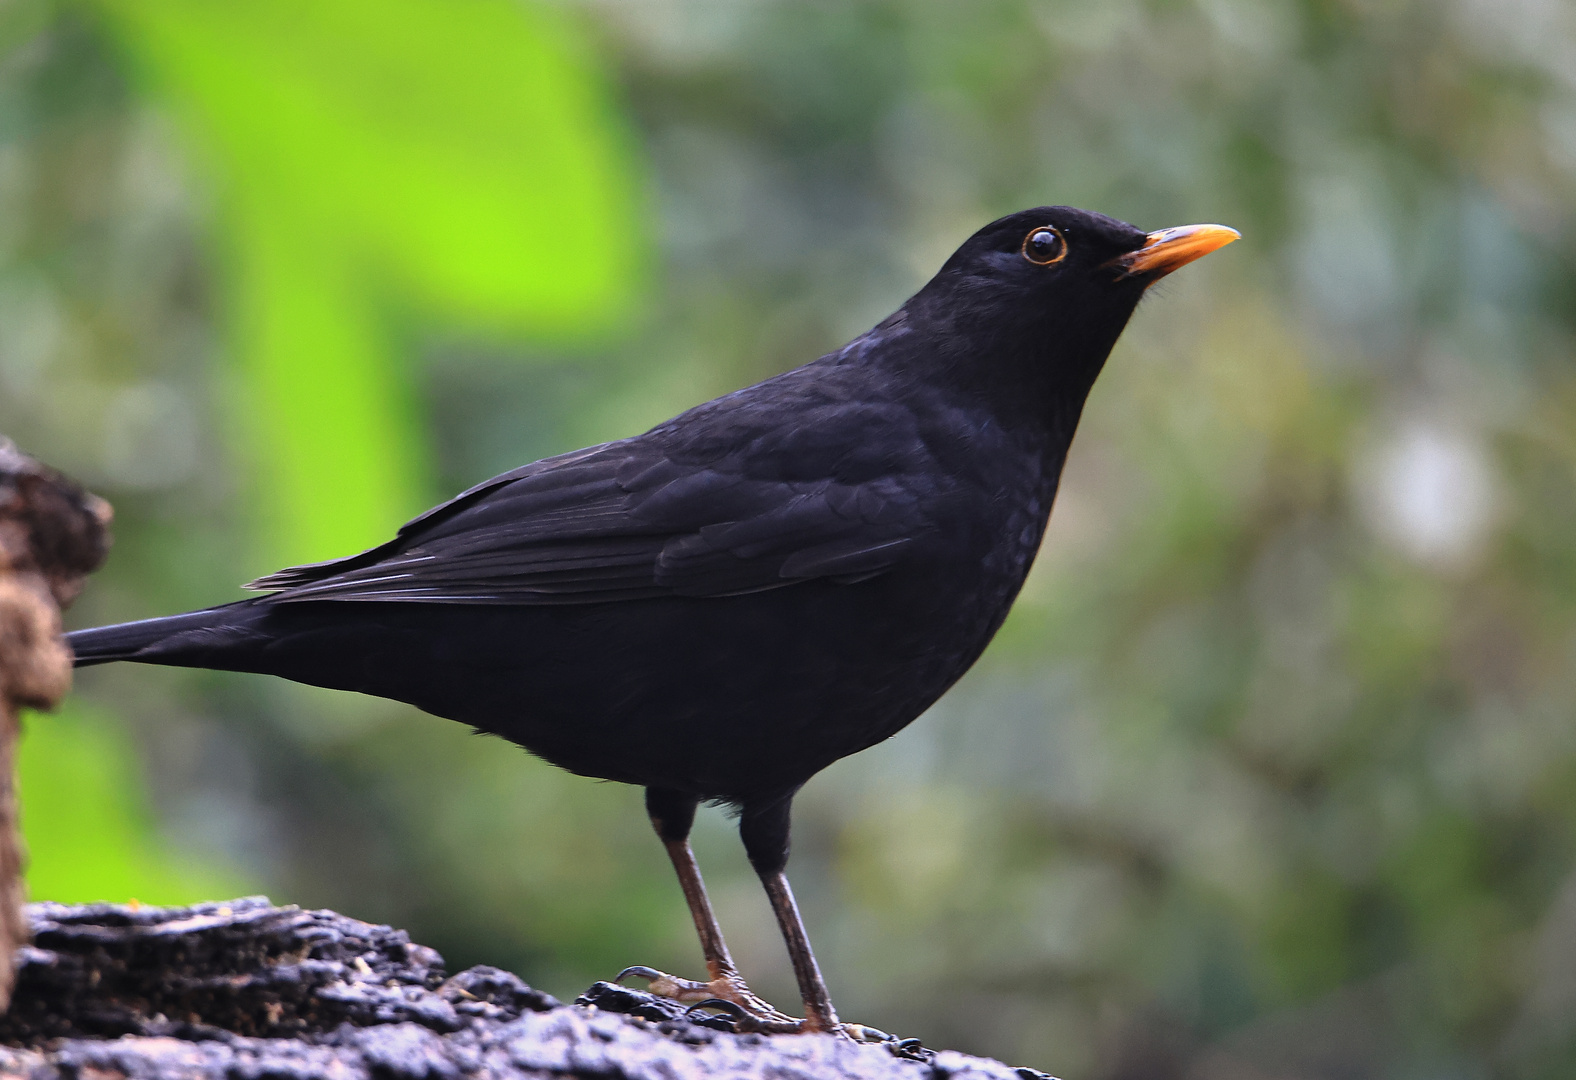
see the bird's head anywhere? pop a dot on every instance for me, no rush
(1043, 294)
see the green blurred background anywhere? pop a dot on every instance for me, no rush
(1272, 772)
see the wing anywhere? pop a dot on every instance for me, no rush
(842, 494)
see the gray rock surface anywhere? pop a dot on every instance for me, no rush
(247, 991)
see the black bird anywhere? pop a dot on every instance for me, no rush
(722, 607)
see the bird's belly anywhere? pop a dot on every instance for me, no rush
(730, 698)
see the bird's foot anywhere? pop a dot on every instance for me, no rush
(727, 994)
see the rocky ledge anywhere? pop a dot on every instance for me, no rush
(244, 990)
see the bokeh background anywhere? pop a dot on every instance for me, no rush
(1272, 772)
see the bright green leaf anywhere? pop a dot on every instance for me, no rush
(462, 152)
(89, 831)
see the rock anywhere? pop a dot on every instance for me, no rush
(244, 990)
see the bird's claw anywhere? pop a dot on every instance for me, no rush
(764, 1021)
(727, 994)
(732, 1008)
(865, 1033)
(664, 985)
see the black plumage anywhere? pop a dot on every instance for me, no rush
(721, 607)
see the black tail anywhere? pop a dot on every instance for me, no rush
(174, 639)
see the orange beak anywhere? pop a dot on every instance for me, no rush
(1168, 249)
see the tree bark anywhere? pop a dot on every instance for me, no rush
(52, 534)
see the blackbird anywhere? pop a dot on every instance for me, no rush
(725, 605)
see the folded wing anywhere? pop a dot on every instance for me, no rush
(642, 518)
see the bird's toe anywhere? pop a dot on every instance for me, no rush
(727, 994)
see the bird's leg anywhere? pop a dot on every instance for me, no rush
(764, 831)
(672, 814)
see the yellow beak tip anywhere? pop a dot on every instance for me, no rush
(1169, 249)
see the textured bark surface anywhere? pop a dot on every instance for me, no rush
(52, 535)
(247, 990)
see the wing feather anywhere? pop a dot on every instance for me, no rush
(639, 518)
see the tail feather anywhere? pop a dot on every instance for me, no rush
(168, 640)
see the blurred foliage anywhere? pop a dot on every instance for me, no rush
(1270, 772)
(360, 149)
(89, 829)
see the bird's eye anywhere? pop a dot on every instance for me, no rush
(1044, 246)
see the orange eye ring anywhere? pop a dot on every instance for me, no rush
(1045, 246)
